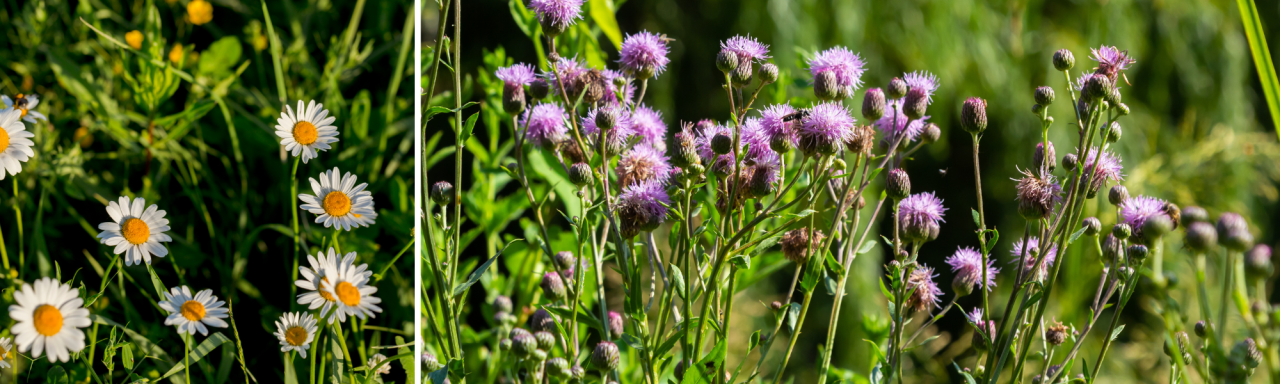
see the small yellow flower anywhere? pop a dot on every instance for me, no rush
(199, 12)
(175, 55)
(134, 38)
(260, 43)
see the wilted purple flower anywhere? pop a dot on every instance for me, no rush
(644, 54)
(647, 124)
(924, 292)
(643, 163)
(544, 124)
(967, 264)
(922, 80)
(895, 122)
(1108, 169)
(746, 48)
(1037, 195)
(919, 215)
(825, 130)
(516, 75)
(559, 14)
(1034, 243)
(1146, 216)
(844, 64)
(642, 207)
(774, 125)
(1111, 61)
(567, 70)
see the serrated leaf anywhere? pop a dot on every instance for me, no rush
(479, 271)
(1116, 332)
(1075, 235)
(793, 315)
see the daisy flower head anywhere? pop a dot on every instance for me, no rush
(845, 68)
(136, 230)
(296, 331)
(967, 264)
(6, 345)
(776, 124)
(544, 124)
(1031, 246)
(557, 15)
(919, 215)
(647, 124)
(1147, 217)
(192, 313)
(339, 202)
(895, 122)
(644, 54)
(642, 207)
(1111, 61)
(924, 291)
(1108, 169)
(825, 130)
(349, 286)
(745, 48)
(307, 131)
(48, 317)
(15, 143)
(322, 267)
(643, 163)
(922, 80)
(24, 104)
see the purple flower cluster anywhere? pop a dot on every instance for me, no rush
(544, 124)
(967, 264)
(566, 71)
(845, 65)
(647, 124)
(756, 139)
(826, 129)
(642, 207)
(628, 90)
(745, 48)
(1029, 244)
(644, 54)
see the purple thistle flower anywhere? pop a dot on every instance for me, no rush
(615, 139)
(1111, 61)
(774, 125)
(1034, 243)
(1108, 168)
(647, 124)
(641, 164)
(566, 70)
(516, 75)
(544, 124)
(721, 163)
(756, 140)
(895, 122)
(921, 209)
(746, 48)
(628, 90)
(844, 64)
(826, 129)
(923, 80)
(974, 316)
(924, 291)
(1037, 195)
(967, 264)
(558, 13)
(1147, 217)
(642, 207)
(644, 54)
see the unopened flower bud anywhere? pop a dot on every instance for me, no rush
(557, 367)
(577, 373)
(1118, 195)
(760, 184)
(1092, 226)
(1194, 214)
(742, 74)
(1257, 261)
(501, 304)
(1123, 109)
(898, 186)
(616, 325)
(1137, 252)
(1044, 95)
(1039, 157)
(1201, 329)
(539, 89)
(1069, 162)
(513, 99)
(727, 61)
(873, 104)
(1200, 236)
(721, 144)
(605, 357)
(1233, 232)
(606, 118)
(1114, 132)
(825, 87)
(775, 305)
(781, 144)
(1112, 248)
(931, 133)
(916, 102)
(1063, 60)
(503, 345)
(1121, 231)
(541, 320)
(552, 286)
(538, 355)
(524, 345)
(580, 174)
(1246, 354)
(1097, 88)
(973, 115)
(545, 339)
(1037, 109)
(897, 89)
(442, 192)
(768, 73)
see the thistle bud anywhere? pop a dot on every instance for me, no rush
(768, 73)
(615, 325)
(873, 104)
(825, 87)
(1200, 236)
(1056, 333)
(442, 192)
(1137, 252)
(931, 133)
(742, 74)
(580, 174)
(1114, 132)
(503, 345)
(1194, 214)
(541, 320)
(501, 304)
(552, 286)
(1112, 248)
(1123, 109)
(727, 61)
(524, 345)
(1037, 109)
(721, 144)
(1257, 261)
(545, 339)
(1246, 354)
(606, 118)
(1092, 226)
(916, 102)
(1039, 157)
(1044, 95)
(430, 362)
(776, 306)
(680, 368)
(1118, 195)
(517, 332)
(1097, 88)
(605, 357)
(539, 89)
(557, 367)
(960, 287)
(1201, 329)
(898, 186)
(781, 144)
(1069, 162)
(1233, 232)
(973, 115)
(577, 373)
(1121, 231)
(896, 89)
(538, 355)
(760, 184)
(797, 243)
(1063, 60)
(513, 99)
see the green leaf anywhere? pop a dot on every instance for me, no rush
(439, 375)
(290, 373)
(1116, 333)
(205, 347)
(431, 112)
(602, 14)
(220, 57)
(126, 355)
(754, 341)
(740, 261)
(968, 379)
(866, 246)
(479, 271)
(1257, 37)
(406, 362)
(793, 315)
(678, 278)
(156, 282)
(633, 342)
(470, 126)
(1074, 236)
(977, 221)
(58, 375)
(671, 341)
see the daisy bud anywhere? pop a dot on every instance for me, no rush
(541, 320)
(524, 345)
(1194, 214)
(557, 367)
(1121, 231)
(825, 87)
(1112, 247)
(539, 89)
(776, 306)
(873, 104)
(742, 74)
(1044, 95)
(796, 243)
(605, 357)
(1063, 60)
(580, 175)
(916, 102)
(768, 73)
(615, 325)
(552, 287)
(1092, 226)
(1069, 162)
(513, 99)
(1039, 157)
(931, 133)
(545, 339)
(1200, 236)
(898, 186)
(1114, 132)
(1118, 195)
(1233, 232)
(727, 61)
(1201, 329)
(1056, 333)
(1137, 252)
(1257, 261)
(442, 192)
(501, 304)
(973, 115)
(721, 144)
(897, 89)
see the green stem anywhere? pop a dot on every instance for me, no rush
(293, 196)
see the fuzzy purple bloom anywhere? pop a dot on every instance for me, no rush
(1111, 61)
(974, 316)
(924, 291)
(756, 139)
(844, 64)
(647, 124)
(544, 124)
(1147, 217)
(628, 90)
(745, 48)
(1108, 168)
(644, 54)
(826, 129)
(967, 264)
(516, 75)
(566, 70)
(775, 126)
(895, 122)
(1050, 256)
(642, 207)
(559, 13)
(921, 209)
(616, 138)
(643, 163)
(922, 80)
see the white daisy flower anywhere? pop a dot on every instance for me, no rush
(24, 105)
(6, 346)
(339, 201)
(349, 286)
(308, 131)
(135, 231)
(48, 319)
(323, 266)
(15, 142)
(376, 359)
(192, 313)
(296, 330)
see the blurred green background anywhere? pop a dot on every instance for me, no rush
(1198, 133)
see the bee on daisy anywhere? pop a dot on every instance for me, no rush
(339, 202)
(323, 267)
(49, 316)
(307, 131)
(192, 313)
(296, 331)
(349, 286)
(15, 142)
(6, 345)
(24, 104)
(134, 231)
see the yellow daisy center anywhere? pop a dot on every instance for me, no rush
(323, 293)
(199, 12)
(47, 319)
(193, 310)
(4, 354)
(4, 140)
(348, 293)
(135, 231)
(305, 133)
(337, 203)
(295, 336)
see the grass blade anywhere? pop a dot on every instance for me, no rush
(1262, 59)
(205, 347)
(275, 54)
